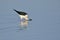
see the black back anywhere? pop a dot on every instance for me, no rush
(20, 13)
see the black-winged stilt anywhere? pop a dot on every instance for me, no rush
(23, 15)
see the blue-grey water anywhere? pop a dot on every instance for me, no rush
(45, 24)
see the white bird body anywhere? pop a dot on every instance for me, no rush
(25, 17)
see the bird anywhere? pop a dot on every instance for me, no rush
(23, 15)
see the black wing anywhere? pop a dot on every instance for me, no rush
(19, 12)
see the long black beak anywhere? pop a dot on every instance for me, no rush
(30, 20)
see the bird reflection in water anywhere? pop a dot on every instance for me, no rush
(23, 25)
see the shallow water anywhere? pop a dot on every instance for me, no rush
(45, 24)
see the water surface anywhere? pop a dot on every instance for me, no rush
(45, 24)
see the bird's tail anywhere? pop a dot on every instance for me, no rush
(16, 11)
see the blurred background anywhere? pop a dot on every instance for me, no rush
(45, 24)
